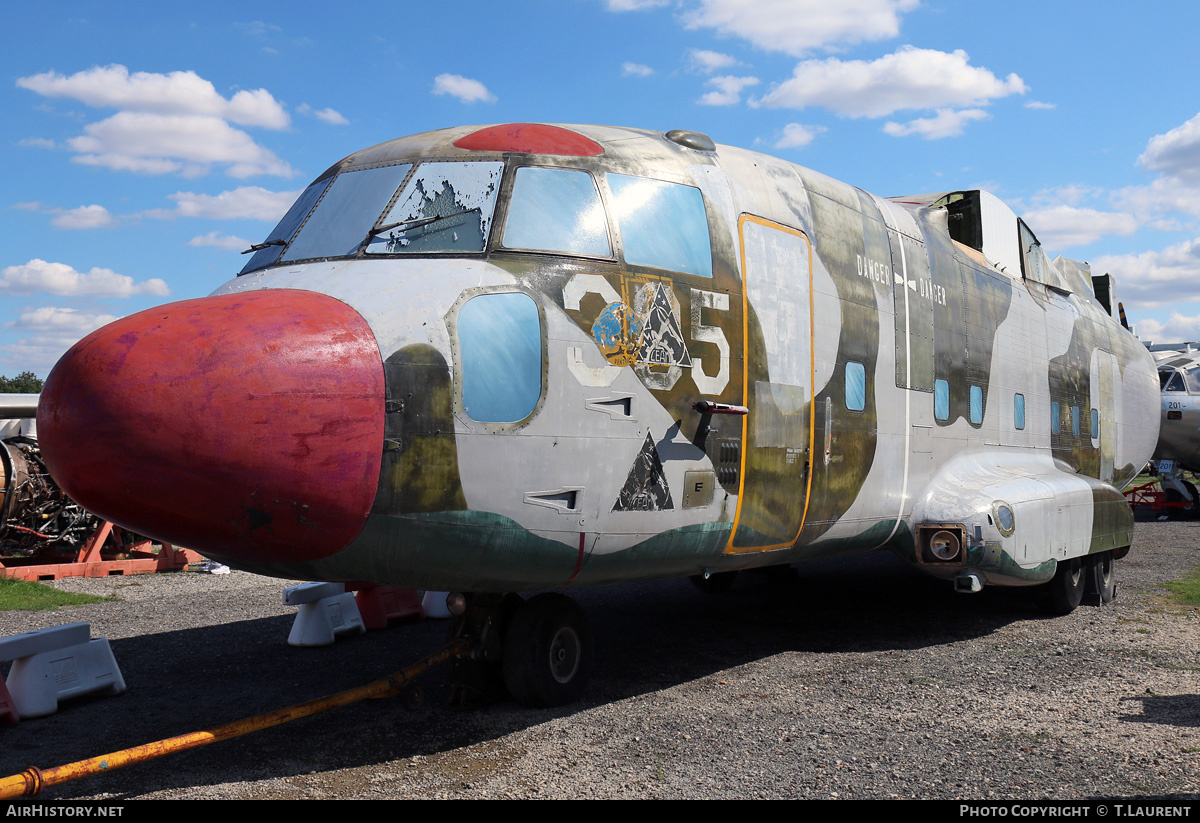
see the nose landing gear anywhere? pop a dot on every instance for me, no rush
(539, 649)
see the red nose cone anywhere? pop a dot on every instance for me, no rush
(245, 426)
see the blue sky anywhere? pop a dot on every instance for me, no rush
(145, 145)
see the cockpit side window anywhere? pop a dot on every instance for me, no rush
(346, 213)
(268, 252)
(556, 210)
(1172, 381)
(444, 207)
(1192, 378)
(663, 225)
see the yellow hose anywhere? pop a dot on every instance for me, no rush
(33, 780)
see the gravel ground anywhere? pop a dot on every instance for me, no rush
(856, 678)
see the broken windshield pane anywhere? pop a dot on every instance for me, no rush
(446, 207)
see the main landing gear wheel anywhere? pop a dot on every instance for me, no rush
(1188, 512)
(1065, 591)
(713, 583)
(1101, 572)
(547, 651)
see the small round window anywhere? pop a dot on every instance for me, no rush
(500, 342)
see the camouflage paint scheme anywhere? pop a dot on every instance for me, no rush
(829, 313)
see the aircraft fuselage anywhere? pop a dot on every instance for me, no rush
(472, 359)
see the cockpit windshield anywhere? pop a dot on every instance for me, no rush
(443, 207)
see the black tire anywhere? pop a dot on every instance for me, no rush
(1188, 512)
(1101, 573)
(547, 651)
(1193, 511)
(714, 583)
(1065, 591)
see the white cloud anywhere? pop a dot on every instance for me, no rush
(728, 90)
(1063, 226)
(257, 28)
(167, 123)
(796, 136)
(36, 142)
(84, 217)
(946, 123)
(1164, 194)
(30, 205)
(464, 88)
(636, 70)
(60, 319)
(633, 5)
(1177, 329)
(1071, 194)
(1038, 104)
(53, 330)
(251, 202)
(180, 92)
(220, 241)
(1176, 153)
(707, 62)
(331, 116)
(159, 143)
(910, 78)
(1155, 278)
(801, 26)
(59, 278)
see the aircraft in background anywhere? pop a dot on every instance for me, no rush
(503, 359)
(1178, 446)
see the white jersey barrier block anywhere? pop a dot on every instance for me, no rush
(434, 604)
(55, 664)
(326, 610)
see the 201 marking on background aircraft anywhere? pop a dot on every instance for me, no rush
(522, 357)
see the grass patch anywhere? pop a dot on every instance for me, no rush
(1185, 592)
(21, 595)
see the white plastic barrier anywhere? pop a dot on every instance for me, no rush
(56, 664)
(326, 610)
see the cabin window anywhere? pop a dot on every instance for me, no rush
(444, 207)
(340, 222)
(663, 225)
(1075, 420)
(556, 210)
(1019, 412)
(1055, 418)
(976, 405)
(856, 386)
(500, 346)
(941, 399)
(1095, 424)
(282, 233)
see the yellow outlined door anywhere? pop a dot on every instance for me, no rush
(778, 386)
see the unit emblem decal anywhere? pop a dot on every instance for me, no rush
(617, 332)
(662, 336)
(645, 489)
